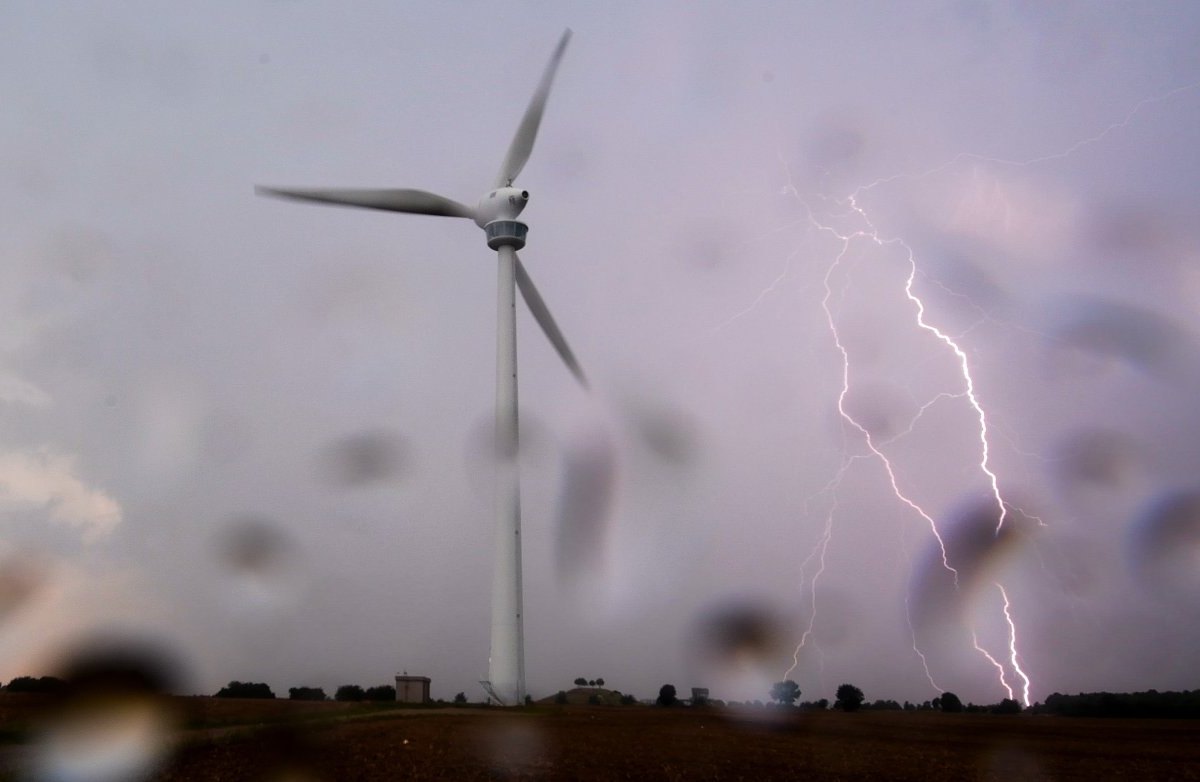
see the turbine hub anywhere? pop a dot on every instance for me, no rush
(509, 233)
(503, 203)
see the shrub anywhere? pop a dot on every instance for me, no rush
(349, 692)
(30, 684)
(236, 689)
(309, 694)
(849, 698)
(384, 692)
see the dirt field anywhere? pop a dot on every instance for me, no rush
(247, 740)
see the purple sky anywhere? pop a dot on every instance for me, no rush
(257, 430)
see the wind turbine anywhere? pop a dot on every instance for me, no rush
(496, 213)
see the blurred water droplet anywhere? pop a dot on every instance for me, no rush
(113, 722)
(260, 559)
(742, 644)
(1096, 459)
(365, 458)
(1165, 545)
(669, 433)
(515, 749)
(585, 500)
(976, 545)
(883, 411)
(20, 578)
(1141, 338)
(481, 456)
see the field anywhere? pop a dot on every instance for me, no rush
(281, 740)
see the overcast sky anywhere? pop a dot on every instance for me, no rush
(258, 430)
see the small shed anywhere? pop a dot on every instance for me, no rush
(412, 689)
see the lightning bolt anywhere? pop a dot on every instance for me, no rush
(1012, 645)
(867, 231)
(871, 233)
(993, 661)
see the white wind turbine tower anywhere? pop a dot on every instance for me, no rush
(496, 214)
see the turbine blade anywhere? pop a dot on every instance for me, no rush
(541, 313)
(522, 143)
(412, 201)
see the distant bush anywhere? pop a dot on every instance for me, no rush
(849, 698)
(628, 700)
(1006, 706)
(384, 692)
(349, 692)
(785, 692)
(667, 695)
(306, 694)
(594, 700)
(461, 698)
(560, 697)
(43, 684)
(580, 682)
(236, 689)
(951, 703)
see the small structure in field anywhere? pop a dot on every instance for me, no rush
(412, 689)
(699, 696)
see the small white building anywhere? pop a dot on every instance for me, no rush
(412, 689)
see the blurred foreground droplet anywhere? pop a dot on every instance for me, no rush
(20, 578)
(668, 432)
(977, 545)
(1141, 338)
(365, 458)
(260, 563)
(585, 501)
(113, 721)
(514, 748)
(741, 643)
(1096, 459)
(1165, 545)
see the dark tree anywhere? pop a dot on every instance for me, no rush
(849, 698)
(951, 703)
(785, 692)
(561, 698)
(599, 682)
(236, 689)
(666, 695)
(461, 698)
(1007, 706)
(581, 682)
(591, 683)
(594, 700)
(382, 693)
(40, 684)
(308, 694)
(349, 692)
(628, 700)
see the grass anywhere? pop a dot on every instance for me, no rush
(247, 740)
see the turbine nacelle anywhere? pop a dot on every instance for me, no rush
(503, 203)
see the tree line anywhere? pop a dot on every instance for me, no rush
(786, 693)
(346, 692)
